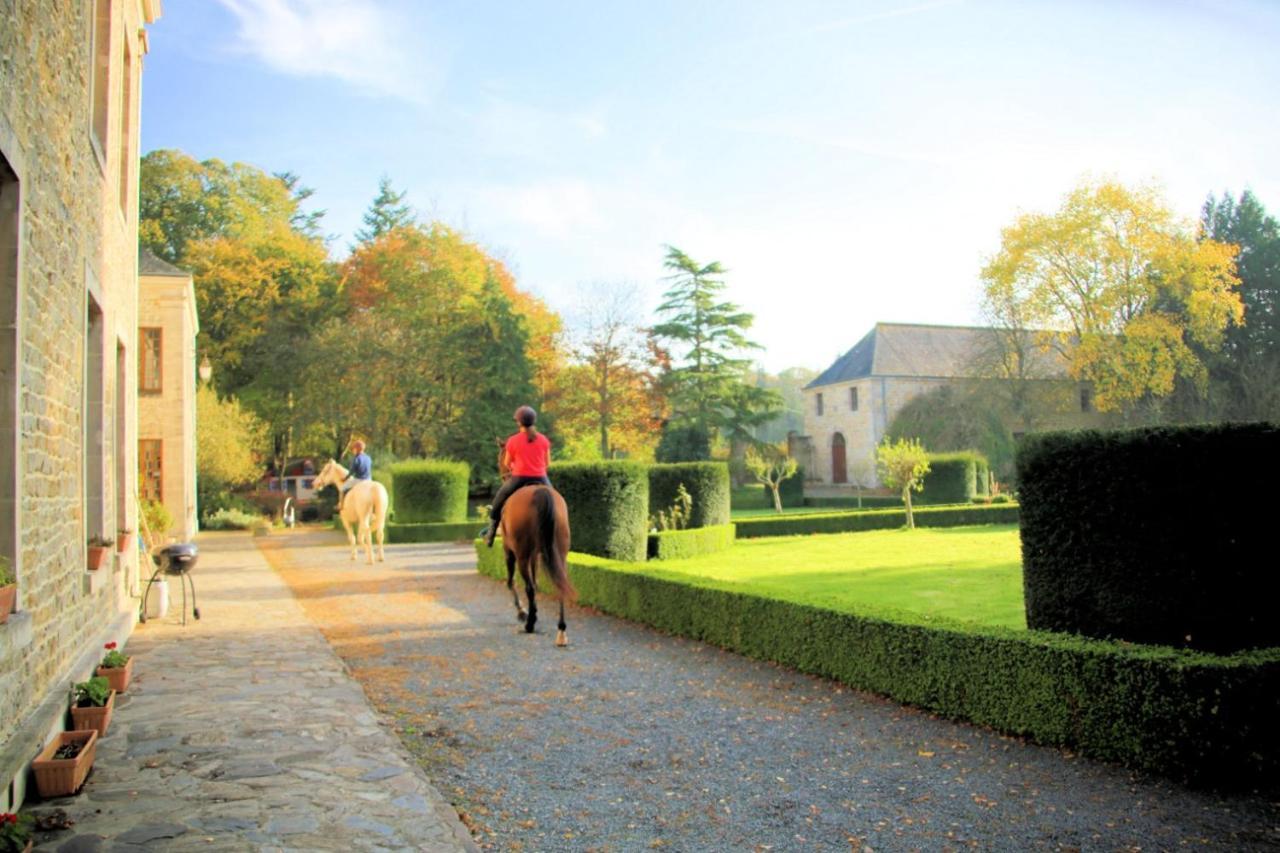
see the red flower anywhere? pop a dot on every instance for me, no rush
(109, 646)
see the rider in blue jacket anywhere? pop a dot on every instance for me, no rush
(361, 469)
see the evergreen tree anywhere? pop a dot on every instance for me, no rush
(387, 212)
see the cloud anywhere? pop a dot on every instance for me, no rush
(367, 44)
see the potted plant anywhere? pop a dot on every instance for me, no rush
(15, 832)
(61, 767)
(93, 704)
(8, 589)
(99, 547)
(123, 537)
(116, 668)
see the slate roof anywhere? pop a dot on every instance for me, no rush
(917, 351)
(149, 264)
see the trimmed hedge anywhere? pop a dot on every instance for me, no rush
(1184, 714)
(429, 490)
(875, 519)
(446, 532)
(1117, 540)
(608, 506)
(675, 544)
(706, 482)
(952, 478)
(868, 502)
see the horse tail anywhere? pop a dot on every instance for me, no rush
(545, 511)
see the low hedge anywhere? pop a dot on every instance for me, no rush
(430, 490)
(868, 502)
(675, 544)
(953, 478)
(1184, 714)
(875, 519)
(706, 482)
(443, 532)
(1118, 541)
(608, 506)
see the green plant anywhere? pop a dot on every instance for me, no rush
(903, 465)
(1001, 499)
(100, 542)
(94, 692)
(675, 517)
(114, 658)
(231, 519)
(954, 478)
(7, 576)
(676, 544)
(706, 482)
(430, 491)
(15, 832)
(158, 520)
(771, 467)
(608, 506)
(874, 519)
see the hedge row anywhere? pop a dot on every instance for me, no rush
(1118, 542)
(868, 502)
(706, 482)
(444, 532)
(429, 490)
(676, 544)
(1188, 715)
(875, 519)
(954, 478)
(608, 506)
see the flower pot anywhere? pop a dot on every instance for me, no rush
(61, 777)
(117, 676)
(8, 596)
(122, 542)
(97, 557)
(93, 717)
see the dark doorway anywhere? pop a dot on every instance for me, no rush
(839, 468)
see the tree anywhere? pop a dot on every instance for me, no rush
(949, 418)
(387, 212)
(902, 465)
(682, 443)
(1125, 288)
(227, 452)
(771, 465)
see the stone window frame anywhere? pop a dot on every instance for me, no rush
(127, 101)
(853, 398)
(143, 478)
(145, 388)
(13, 163)
(819, 400)
(101, 24)
(94, 435)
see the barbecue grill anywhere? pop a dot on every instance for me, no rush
(179, 560)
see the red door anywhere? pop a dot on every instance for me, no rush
(839, 469)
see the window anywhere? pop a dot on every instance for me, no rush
(151, 468)
(150, 343)
(1086, 400)
(853, 399)
(101, 68)
(10, 347)
(126, 114)
(95, 415)
(819, 405)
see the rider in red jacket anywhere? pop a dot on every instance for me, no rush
(527, 454)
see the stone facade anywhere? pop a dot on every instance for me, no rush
(69, 104)
(167, 303)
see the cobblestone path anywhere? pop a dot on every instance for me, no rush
(632, 740)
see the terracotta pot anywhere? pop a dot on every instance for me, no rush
(93, 717)
(122, 541)
(118, 676)
(97, 557)
(8, 596)
(61, 777)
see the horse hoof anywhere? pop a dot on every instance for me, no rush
(521, 616)
(561, 640)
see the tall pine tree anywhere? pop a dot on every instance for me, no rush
(387, 212)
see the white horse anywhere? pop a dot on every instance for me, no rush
(365, 506)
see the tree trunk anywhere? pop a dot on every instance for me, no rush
(777, 499)
(906, 499)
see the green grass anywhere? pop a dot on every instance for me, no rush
(973, 574)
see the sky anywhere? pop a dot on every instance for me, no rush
(847, 162)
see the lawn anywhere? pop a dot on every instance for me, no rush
(972, 574)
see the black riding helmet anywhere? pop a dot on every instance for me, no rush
(526, 416)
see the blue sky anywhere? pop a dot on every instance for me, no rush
(848, 162)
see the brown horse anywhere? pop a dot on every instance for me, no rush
(535, 523)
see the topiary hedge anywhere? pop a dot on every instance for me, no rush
(706, 482)
(1117, 540)
(952, 478)
(868, 502)
(1184, 714)
(675, 544)
(429, 490)
(874, 519)
(608, 506)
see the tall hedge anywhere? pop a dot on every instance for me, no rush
(852, 521)
(707, 483)
(429, 490)
(1118, 539)
(608, 506)
(952, 478)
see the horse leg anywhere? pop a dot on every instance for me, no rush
(351, 539)
(527, 570)
(561, 639)
(366, 537)
(511, 584)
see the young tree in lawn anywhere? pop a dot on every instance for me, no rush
(902, 465)
(771, 465)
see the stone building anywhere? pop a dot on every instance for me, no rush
(167, 328)
(70, 74)
(850, 405)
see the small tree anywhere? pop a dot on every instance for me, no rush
(771, 465)
(903, 465)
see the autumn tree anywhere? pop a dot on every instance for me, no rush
(1129, 284)
(229, 442)
(902, 465)
(771, 465)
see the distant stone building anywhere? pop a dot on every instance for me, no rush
(850, 406)
(167, 328)
(69, 98)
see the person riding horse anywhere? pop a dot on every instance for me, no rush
(361, 469)
(526, 454)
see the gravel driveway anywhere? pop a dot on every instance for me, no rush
(632, 740)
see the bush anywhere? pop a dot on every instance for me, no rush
(231, 519)
(874, 519)
(749, 497)
(868, 502)
(675, 544)
(158, 520)
(707, 483)
(683, 444)
(1117, 540)
(388, 481)
(429, 490)
(608, 506)
(791, 491)
(952, 478)
(1184, 714)
(1001, 499)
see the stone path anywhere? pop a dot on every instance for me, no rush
(244, 731)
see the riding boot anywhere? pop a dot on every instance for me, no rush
(490, 533)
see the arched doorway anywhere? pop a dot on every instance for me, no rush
(839, 467)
